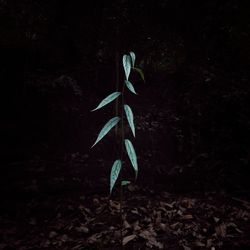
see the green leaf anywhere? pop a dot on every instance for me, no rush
(130, 86)
(140, 73)
(126, 65)
(109, 125)
(132, 155)
(132, 55)
(124, 183)
(116, 168)
(130, 118)
(107, 100)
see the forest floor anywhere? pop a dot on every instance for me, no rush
(60, 200)
(68, 211)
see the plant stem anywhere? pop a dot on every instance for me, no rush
(117, 76)
(122, 151)
(121, 218)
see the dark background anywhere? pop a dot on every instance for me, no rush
(58, 60)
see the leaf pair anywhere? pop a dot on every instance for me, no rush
(128, 63)
(115, 170)
(117, 165)
(112, 122)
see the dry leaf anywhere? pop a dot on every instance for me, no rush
(199, 244)
(186, 248)
(94, 238)
(136, 226)
(115, 205)
(221, 230)
(174, 226)
(128, 238)
(209, 243)
(165, 204)
(187, 217)
(82, 229)
(158, 218)
(126, 225)
(216, 219)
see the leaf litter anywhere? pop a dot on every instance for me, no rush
(163, 221)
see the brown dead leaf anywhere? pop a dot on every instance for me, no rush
(114, 204)
(186, 248)
(149, 236)
(188, 203)
(187, 217)
(145, 234)
(199, 244)
(126, 225)
(216, 219)
(221, 230)
(128, 238)
(82, 229)
(94, 238)
(136, 226)
(165, 204)
(175, 225)
(209, 243)
(158, 218)
(96, 202)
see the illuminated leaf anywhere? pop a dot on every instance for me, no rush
(116, 168)
(109, 125)
(126, 65)
(132, 155)
(130, 118)
(130, 86)
(107, 100)
(132, 55)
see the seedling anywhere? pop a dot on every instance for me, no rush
(128, 61)
(128, 64)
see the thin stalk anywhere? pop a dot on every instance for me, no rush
(122, 151)
(117, 76)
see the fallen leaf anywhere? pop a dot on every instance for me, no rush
(221, 230)
(199, 244)
(126, 225)
(94, 238)
(128, 238)
(114, 204)
(52, 234)
(82, 229)
(186, 248)
(187, 217)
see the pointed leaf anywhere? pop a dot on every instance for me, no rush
(132, 155)
(132, 55)
(126, 65)
(116, 168)
(140, 73)
(130, 118)
(124, 183)
(107, 100)
(109, 125)
(130, 86)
